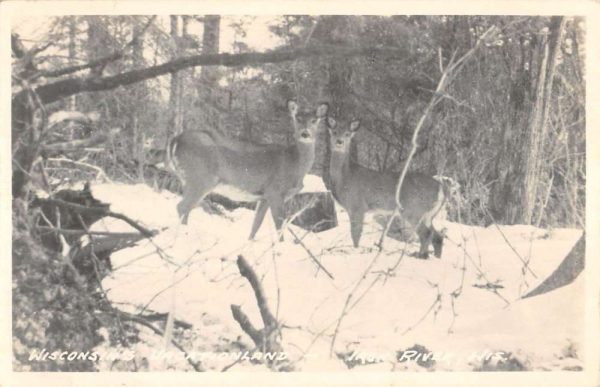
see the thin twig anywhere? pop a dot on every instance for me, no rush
(197, 366)
(481, 273)
(437, 301)
(278, 303)
(349, 298)
(162, 291)
(457, 292)
(525, 263)
(310, 254)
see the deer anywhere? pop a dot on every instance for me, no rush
(271, 174)
(360, 190)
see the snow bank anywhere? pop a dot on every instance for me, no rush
(389, 312)
(313, 183)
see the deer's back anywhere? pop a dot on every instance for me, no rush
(253, 171)
(367, 190)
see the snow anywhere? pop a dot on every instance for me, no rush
(313, 183)
(389, 312)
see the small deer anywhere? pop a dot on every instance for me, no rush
(360, 190)
(270, 174)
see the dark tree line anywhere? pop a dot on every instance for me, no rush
(514, 117)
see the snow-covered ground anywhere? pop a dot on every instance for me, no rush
(393, 307)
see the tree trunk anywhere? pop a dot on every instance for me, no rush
(138, 92)
(174, 91)
(97, 39)
(210, 45)
(138, 46)
(207, 83)
(538, 127)
(518, 163)
(72, 23)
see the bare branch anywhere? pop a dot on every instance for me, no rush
(100, 211)
(67, 87)
(246, 325)
(18, 49)
(247, 272)
(268, 338)
(84, 232)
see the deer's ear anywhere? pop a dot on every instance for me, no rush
(292, 107)
(354, 125)
(322, 110)
(331, 122)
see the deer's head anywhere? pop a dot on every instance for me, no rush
(307, 124)
(341, 134)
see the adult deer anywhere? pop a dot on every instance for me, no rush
(360, 190)
(270, 174)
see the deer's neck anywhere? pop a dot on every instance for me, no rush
(339, 168)
(306, 156)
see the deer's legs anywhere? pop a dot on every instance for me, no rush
(192, 194)
(425, 235)
(438, 242)
(278, 213)
(259, 216)
(356, 225)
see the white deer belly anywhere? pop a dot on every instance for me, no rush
(235, 193)
(380, 211)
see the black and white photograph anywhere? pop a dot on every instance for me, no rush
(354, 193)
